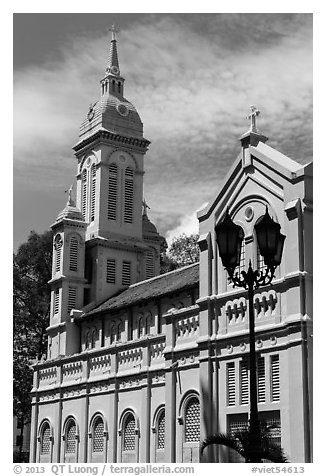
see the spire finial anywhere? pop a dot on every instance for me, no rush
(252, 116)
(114, 30)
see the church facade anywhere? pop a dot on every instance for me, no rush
(142, 367)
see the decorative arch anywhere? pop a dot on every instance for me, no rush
(113, 157)
(45, 441)
(93, 157)
(70, 440)
(189, 432)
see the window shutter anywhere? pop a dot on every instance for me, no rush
(129, 195)
(56, 301)
(149, 265)
(192, 420)
(84, 193)
(112, 194)
(93, 192)
(58, 252)
(73, 256)
(126, 273)
(275, 378)
(98, 436)
(129, 440)
(72, 298)
(110, 271)
(244, 383)
(230, 384)
(261, 379)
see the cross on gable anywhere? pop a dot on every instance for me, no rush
(252, 116)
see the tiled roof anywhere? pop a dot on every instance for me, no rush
(174, 281)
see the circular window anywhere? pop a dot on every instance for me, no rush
(249, 213)
(122, 110)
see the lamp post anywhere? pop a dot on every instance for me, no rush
(229, 237)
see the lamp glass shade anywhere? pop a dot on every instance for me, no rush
(229, 238)
(278, 255)
(267, 232)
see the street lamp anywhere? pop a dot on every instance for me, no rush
(229, 237)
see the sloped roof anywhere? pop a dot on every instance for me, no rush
(174, 281)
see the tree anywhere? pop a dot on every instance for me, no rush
(32, 269)
(183, 251)
(241, 442)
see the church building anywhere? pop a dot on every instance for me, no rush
(141, 367)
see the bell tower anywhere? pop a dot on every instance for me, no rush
(110, 156)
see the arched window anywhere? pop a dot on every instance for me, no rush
(98, 435)
(113, 333)
(112, 193)
(45, 439)
(73, 254)
(160, 430)
(129, 434)
(113, 85)
(93, 191)
(119, 329)
(58, 252)
(70, 437)
(84, 194)
(129, 195)
(119, 87)
(192, 420)
(93, 339)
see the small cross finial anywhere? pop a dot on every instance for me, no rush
(252, 116)
(114, 30)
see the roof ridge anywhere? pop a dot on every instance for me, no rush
(164, 274)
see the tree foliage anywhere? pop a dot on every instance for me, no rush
(32, 265)
(183, 251)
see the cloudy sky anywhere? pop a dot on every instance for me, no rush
(192, 78)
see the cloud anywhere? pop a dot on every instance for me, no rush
(188, 225)
(192, 79)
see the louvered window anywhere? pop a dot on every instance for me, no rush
(126, 273)
(98, 436)
(244, 383)
(73, 256)
(71, 437)
(112, 194)
(261, 379)
(129, 195)
(160, 430)
(192, 420)
(45, 439)
(275, 378)
(110, 271)
(56, 301)
(72, 298)
(149, 265)
(230, 383)
(93, 192)
(129, 439)
(84, 193)
(58, 252)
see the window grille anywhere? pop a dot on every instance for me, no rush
(73, 256)
(110, 271)
(45, 439)
(71, 437)
(244, 383)
(275, 378)
(230, 384)
(129, 439)
(161, 430)
(112, 194)
(98, 436)
(58, 248)
(84, 193)
(242, 264)
(149, 265)
(126, 273)
(56, 301)
(72, 298)
(192, 420)
(129, 195)
(273, 422)
(93, 191)
(261, 379)
(260, 262)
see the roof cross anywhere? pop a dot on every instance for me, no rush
(114, 30)
(252, 116)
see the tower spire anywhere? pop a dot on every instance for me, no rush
(113, 81)
(113, 62)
